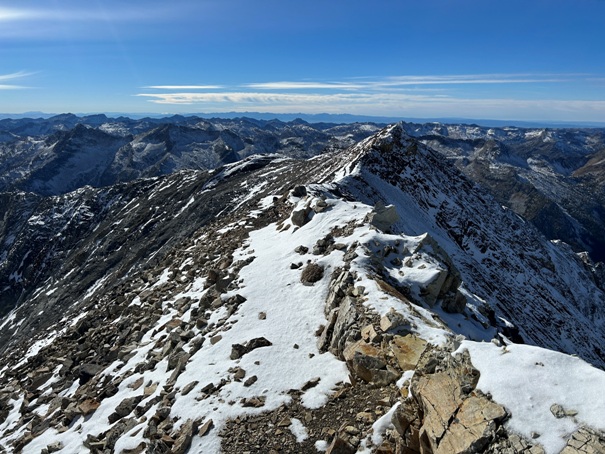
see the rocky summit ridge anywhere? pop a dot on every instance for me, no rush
(371, 299)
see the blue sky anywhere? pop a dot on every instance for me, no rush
(520, 60)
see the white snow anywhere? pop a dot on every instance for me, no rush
(36, 347)
(164, 278)
(187, 205)
(298, 430)
(9, 318)
(293, 314)
(10, 422)
(379, 428)
(96, 286)
(321, 445)
(382, 424)
(528, 380)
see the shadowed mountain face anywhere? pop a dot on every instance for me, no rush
(64, 153)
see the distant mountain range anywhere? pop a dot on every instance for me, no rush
(554, 177)
(337, 118)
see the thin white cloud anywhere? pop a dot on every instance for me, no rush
(54, 21)
(385, 104)
(458, 80)
(412, 96)
(17, 75)
(385, 83)
(11, 87)
(304, 85)
(249, 97)
(185, 87)
(12, 77)
(12, 14)
(117, 13)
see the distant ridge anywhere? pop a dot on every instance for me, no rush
(329, 118)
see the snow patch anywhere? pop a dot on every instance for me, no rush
(528, 380)
(298, 430)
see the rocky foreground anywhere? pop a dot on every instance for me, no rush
(366, 301)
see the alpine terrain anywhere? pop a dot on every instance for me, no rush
(243, 286)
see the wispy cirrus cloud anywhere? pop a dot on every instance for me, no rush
(397, 95)
(17, 75)
(185, 87)
(56, 20)
(13, 14)
(406, 81)
(466, 79)
(11, 77)
(248, 98)
(76, 13)
(305, 86)
(382, 104)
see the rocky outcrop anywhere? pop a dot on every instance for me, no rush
(585, 441)
(447, 413)
(383, 217)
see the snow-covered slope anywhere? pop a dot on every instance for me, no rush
(541, 287)
(549, 176)
(297, 306)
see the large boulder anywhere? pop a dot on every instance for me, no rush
(383, 217)
(446, 412)
(312, 273)
(407, 350)
(368, 363)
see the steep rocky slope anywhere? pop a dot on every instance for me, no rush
(283, 305)
(552, 177)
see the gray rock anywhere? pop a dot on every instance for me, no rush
(239, 350)
(454, 304)
(383, 217)
(124, 408)
(340, 446)
(347, 316)
(368, 363)
(184, 437)
(323, 342)
(250, 381)
(299, 191)
(394, 322)
(187, 388)
(446, 414)
(320, 206)
(89, 370)
(302, 250)
(300, 217)
(585, 441)
(559, 412)
(54, 447)
(117, 431)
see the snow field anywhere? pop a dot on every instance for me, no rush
(528, 380)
